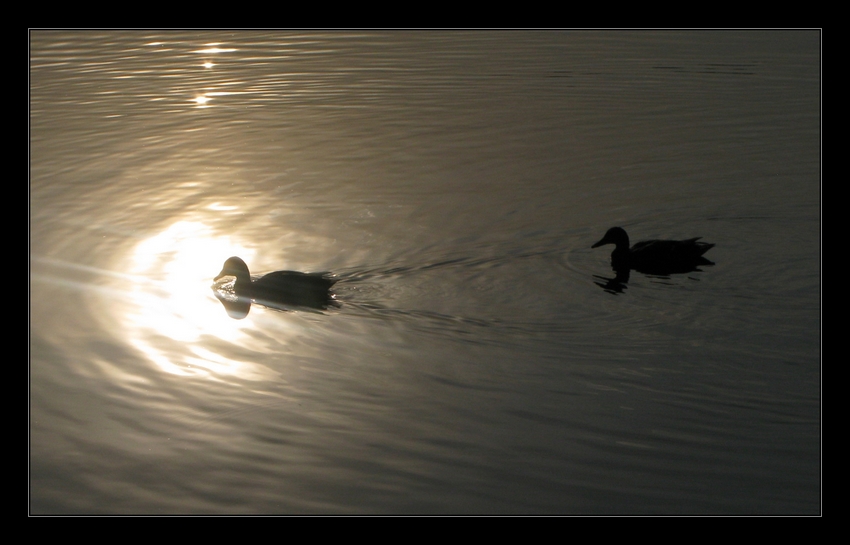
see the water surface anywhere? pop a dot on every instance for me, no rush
(453, 182)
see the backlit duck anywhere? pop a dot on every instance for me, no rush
(661, 257)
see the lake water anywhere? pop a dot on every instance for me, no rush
(480, 358)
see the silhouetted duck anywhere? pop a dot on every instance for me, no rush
(279, 289)
(661, 257)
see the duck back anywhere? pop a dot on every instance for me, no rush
(290, 288)
(668, 256)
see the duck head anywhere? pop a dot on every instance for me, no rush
(616, 236)
(235, 267)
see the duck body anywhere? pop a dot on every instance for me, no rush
(661, 257)
(280, 289)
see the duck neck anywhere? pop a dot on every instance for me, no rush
(243, 281)
(622, 244)
(620, 255)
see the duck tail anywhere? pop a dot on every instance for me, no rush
(704, 247)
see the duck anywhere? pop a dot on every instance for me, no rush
(279, 289)
(658, 257)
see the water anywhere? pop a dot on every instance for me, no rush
(453, 182)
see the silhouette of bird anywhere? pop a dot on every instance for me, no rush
(279, 289)
(661, 257)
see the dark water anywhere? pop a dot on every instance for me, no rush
(453, 182)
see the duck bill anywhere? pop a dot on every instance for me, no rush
(602, 242)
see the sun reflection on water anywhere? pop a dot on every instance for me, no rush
(179, 307)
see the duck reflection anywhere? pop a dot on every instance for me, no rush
(654, 257)
(282, 290)
(614, 285)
